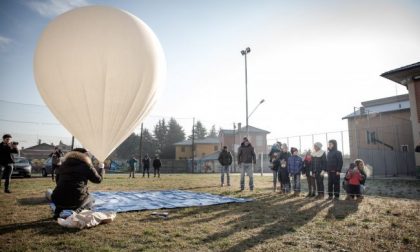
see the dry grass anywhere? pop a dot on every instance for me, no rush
(387, 220)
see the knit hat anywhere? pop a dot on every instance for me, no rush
(284, 146)
(318, 144)
(293, 150)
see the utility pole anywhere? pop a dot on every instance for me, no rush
(72, 142)
(141, 146)
(244, 53)
(192, 145)
(233, 147)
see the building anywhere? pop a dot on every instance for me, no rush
(203, 147)
(380, 133)
(409, 76)
(233, 138)
(42, 150)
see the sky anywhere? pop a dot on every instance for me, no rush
(311, 61)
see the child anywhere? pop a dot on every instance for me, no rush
(307, 162)
(346, 181)
(275, 159)
(294, 167)
(283, 172)
(354, 177)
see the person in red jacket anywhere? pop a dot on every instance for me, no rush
(354, 177)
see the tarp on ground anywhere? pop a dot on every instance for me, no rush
(151, 200)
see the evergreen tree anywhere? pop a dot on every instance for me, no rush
(175, 134)
(200, 131)
(160, 132)
(150, 145)
(213, 131)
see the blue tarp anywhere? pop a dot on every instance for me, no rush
(150, 200)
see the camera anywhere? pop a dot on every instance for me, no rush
(15, 143)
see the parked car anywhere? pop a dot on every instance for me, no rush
(47, 169)
(22, 167)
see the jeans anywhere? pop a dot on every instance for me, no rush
(87, 203)
(296, 183)
(156, 170)
(319, 178)
(354, 191)
(6, 173)
(225, 169)
(275, 178)
(250, 172)
(132, 171)
(53, 171)
(144, 171)
(333, 184)
(311, 184)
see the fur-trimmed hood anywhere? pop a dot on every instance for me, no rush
(317, 153)
(78, 156)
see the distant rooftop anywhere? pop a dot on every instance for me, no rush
(208, 140)
(383, 105)
(400, 75)
(251, 129)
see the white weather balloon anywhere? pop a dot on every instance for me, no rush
(98, 69)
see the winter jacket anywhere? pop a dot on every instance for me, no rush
(132, 162)
(276, 163)
(74, 174)
(334, 159)
(6, 154)
(364, 176)
(354, 177)
(306, 169)
(246, 154)
(156, 163)
(56, 157)
(273, 150)
(284, 157)
(319, 161)
(225, 158)
(294, 165)
(146, 162)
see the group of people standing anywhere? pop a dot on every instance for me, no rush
(288, 166)
(157, 164)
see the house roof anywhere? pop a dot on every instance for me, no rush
(251, 129)
(402, 74)
(383, 105)
(207, 140)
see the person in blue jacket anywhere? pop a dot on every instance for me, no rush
(294, 166)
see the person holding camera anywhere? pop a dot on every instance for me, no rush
(56, 156)
(7, 149)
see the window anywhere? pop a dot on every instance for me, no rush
(182, 149)
(216, 148)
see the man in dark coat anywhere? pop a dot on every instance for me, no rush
(146, 165)
(71, 191)
(156, 166)
(246, 157)
(334, 166)
(225, 160)
(7, 149)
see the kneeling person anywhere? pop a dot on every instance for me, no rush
(71, 191)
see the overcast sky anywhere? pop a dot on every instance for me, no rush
(312, 61)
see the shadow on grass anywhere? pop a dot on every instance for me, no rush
(33, 201)
(340, 210)
(275, 216)
(44, 226)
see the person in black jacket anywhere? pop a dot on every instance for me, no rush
(225, 160)
(7, 149)
(71, 191)
(146, 165)
(318, 166)
(156, 165)
(283, 171)
(334, 166)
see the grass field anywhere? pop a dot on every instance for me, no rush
(388, 219)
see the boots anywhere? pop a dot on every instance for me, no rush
(320, 196)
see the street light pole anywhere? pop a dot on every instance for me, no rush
(244, 53)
